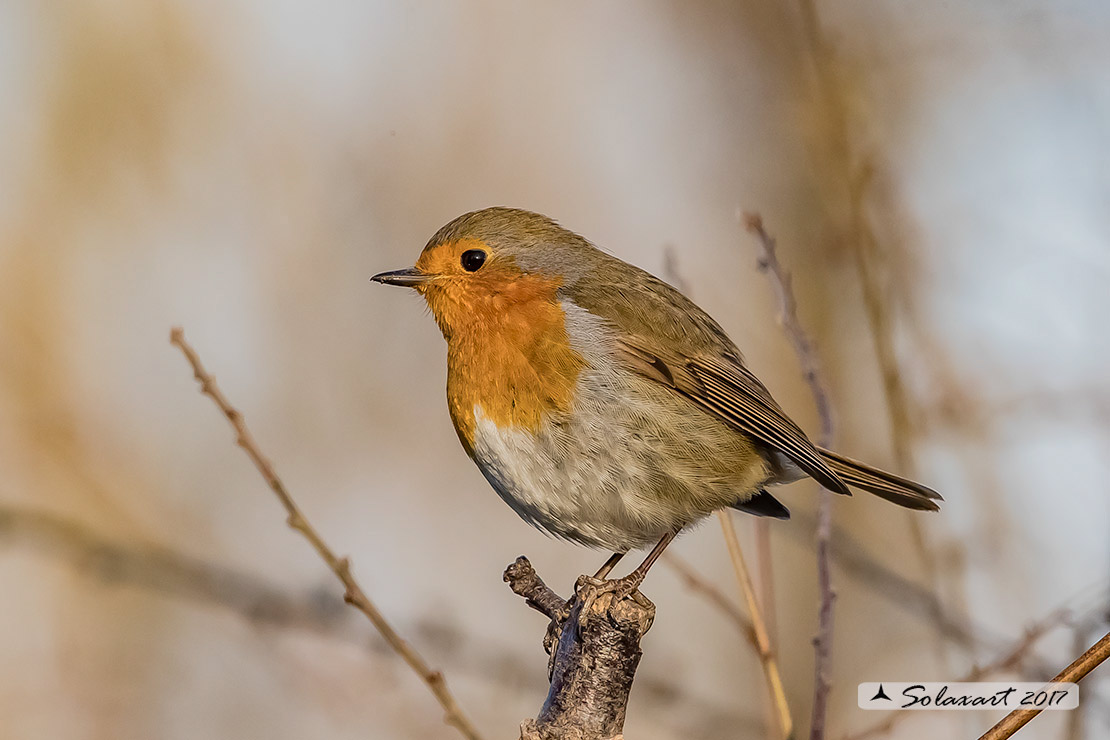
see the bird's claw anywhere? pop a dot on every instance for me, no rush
(587, 590)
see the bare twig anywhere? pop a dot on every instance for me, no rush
(262, 603)
(854, 174)
(699, 585)
(763, 609)
(915, 600)
(1012, 658)
(341, 567)
(783, 722)
(170, 572)
(1074, 673)
(781, 282)
(807, 358)
(822, 643)
(524, 581)
(1076, 729)
(764, 564)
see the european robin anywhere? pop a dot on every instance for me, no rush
(599, 402)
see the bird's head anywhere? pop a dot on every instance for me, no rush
(494, 266)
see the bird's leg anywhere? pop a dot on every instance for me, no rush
(597, 579)
(619, 587)
(637, 576)
(609, 565)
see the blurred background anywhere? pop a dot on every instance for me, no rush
(938, 178)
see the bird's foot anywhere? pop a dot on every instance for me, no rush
(588, 589)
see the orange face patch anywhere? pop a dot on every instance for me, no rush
(445, 260)
(508, 351)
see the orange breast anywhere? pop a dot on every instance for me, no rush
(511, 357)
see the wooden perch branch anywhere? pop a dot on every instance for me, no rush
(788, 317)
(340, 566)
(595, 650)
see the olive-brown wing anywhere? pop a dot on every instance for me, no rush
(723, 386)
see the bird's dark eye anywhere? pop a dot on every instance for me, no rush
(472, 259)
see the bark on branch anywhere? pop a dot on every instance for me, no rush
(595, 650)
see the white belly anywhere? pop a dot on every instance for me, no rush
(626, 466)
(571, 485)
(618, 473)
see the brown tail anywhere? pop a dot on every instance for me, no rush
(881, 483)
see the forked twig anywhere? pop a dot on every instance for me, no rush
(763, 641)
(340, 566)
(788, 317)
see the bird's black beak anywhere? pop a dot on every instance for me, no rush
(408, 278)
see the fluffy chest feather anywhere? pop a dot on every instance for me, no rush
(515, 364)
(582, 447)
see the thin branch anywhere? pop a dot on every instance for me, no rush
(822, 643)
(1074, 673)
(765, 568)
(779, 278)
(855, 175)
(1077, 717)
(262, 603)
(763, 610)
(1010, 659)
(340, 566)
(782, 283)
(170, 572)
(783, 722)
(699, 585)
(915, 600)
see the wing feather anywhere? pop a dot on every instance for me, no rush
(723, 386)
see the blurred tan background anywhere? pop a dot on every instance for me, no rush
(938, 177)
